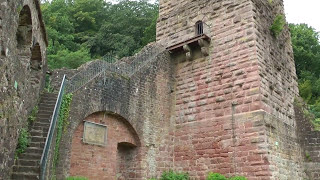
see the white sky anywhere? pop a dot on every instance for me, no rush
(305, 11)
(299, 11)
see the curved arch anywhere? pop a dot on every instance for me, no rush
(36, 65)
(119, 152)
(24, 31)
(36, 58)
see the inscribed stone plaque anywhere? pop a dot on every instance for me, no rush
(95, 133)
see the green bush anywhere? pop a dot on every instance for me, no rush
(238, 178)
(23, 141)
(216, 176)
(76, 178)
(171, 175)
(277, 26)
(32, 117)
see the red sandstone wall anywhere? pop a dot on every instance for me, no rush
(109, 162)
(223, 101)
(219, 127)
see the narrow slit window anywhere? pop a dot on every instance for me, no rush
(199, 28)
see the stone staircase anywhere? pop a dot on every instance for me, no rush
(27, 167)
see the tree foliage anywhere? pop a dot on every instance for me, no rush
(306, 48)
(81, 30)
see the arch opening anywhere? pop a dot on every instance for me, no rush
(126, 157)
(118, 158)
(24, 31)
(36, 64)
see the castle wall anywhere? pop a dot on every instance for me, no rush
(22, 47)
(248, 70)
(142, 100)
(231, 111)
(219, 125)
(279, 88)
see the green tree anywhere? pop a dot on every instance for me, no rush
(69, 59)
(306, 48)
(80, 29)
(130, 25)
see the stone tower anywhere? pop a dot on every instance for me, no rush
(235, 85)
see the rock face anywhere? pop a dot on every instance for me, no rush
(22, 69)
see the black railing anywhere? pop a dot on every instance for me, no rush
(54, 118)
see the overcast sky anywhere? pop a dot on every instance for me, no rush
(306, 11)
(299, 11)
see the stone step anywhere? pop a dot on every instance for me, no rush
(24, 162)
(37, 144)
(24, 176)
(31, 156)
(49, 95)
(38, 139)
(42, 124)
(45, 112)
(44, 116)
(38, 133)
(47, 105)
(26, 169)
(44, 129)
(44, 120)
(34, 150)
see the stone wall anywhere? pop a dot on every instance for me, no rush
(248, 69)
(278, 90)
(100, 162)
(229, 111)
(22, 68)
(143, 101)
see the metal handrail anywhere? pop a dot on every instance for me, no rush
(55, 115)
(127, 69)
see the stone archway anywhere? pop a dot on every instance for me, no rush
(126, 156)
(36, 65)
(113, 157)
(24, 31)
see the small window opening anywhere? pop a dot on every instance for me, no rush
(24, 32)
(199, 28)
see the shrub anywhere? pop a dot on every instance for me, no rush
(171, 175)
(76, 178)
(278, 24)
(238, 178)
(216, 176)
(23, 141)
(32, 117)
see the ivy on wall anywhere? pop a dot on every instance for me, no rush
(62, 125)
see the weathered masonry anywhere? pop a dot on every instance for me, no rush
(215, 93)
(23, 64)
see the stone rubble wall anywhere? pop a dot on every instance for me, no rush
(217, 112)
(19, 87)
(248, 69)
(144, 101)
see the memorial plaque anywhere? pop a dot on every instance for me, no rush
(95, 134)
